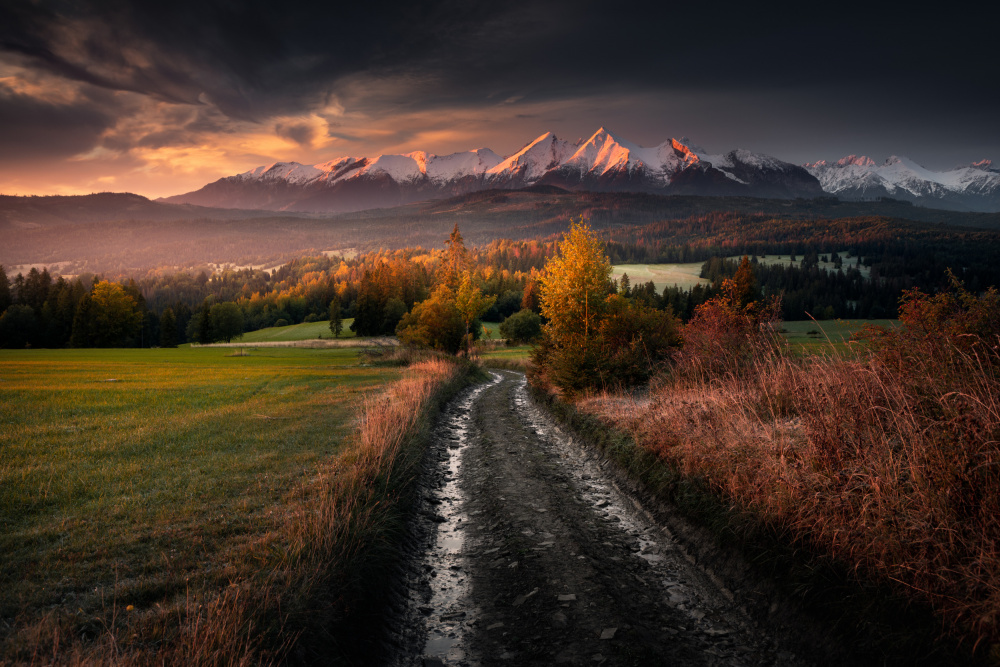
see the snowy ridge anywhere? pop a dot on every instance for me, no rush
(900, 177)
(292, 172)
(531, 162)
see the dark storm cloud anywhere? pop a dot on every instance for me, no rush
(261, 58)
(251, 59)
(47, 131)
(301, 133)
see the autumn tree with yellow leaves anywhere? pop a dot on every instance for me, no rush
(594, 338)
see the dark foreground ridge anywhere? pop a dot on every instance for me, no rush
(534, 557)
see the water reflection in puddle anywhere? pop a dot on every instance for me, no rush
(448, 611)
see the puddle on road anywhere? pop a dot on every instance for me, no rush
(448, 612)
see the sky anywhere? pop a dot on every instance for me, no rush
(160, 98)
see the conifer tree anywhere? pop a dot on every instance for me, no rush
(336, 320)
(5, 299)
(456, 259)
(168, 329)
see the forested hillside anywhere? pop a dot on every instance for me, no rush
(126, 234)
(40, 308)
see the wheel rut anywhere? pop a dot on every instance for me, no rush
(533, 556)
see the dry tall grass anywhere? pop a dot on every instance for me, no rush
(891, 468)
(313, 573)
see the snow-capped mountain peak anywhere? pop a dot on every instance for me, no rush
(291, 172)
(531, 162)
(603, 152)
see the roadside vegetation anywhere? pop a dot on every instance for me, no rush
(883, 459)
(195, 507)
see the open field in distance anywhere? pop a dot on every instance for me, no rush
(811, 337)
(848, 262)
(803, 336)
(303, 331)
(684, 276)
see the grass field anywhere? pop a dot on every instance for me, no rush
(132, 478)
(684, 276)
(809, 337)
(491, 330)
(304, 331)
(848, 262)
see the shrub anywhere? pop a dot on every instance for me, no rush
(937, 327)
(435, 323)
(729, 332)
(635, 341)
(523, 326)
(889, 463)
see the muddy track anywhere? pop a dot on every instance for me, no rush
(526, 553)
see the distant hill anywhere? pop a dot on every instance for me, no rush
(124, 233)
(28, 212)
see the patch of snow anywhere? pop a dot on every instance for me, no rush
(292, 172)
(445, 168)
(544, 153)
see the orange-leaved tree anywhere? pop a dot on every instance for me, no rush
(471, 303)
(594, 339)
(574, 288)
(435, 322)
(732, 329)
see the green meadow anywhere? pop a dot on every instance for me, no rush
(304, 331)
(687, 275)
(131, 477)
(825, 336)
(848, 262)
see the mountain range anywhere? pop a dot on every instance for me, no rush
(975, 187)
(602, 163)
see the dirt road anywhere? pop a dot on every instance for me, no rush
(527, 554)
